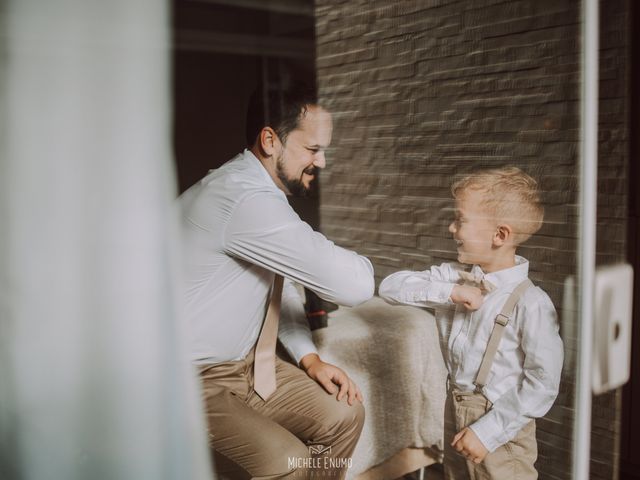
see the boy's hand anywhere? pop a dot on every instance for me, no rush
(470, 297)
(467, 443)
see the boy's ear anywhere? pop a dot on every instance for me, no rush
(269, 141)
(503, 234)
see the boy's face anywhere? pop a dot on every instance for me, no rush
(473, 229)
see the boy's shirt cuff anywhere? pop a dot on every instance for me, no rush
(437, 292)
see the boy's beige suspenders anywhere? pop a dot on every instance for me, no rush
(502, 319)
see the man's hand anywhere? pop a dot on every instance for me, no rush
(331, 377)
(470, 297)
(467, 443)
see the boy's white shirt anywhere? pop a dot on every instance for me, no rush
(525, 376)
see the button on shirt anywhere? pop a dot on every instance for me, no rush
(525, 376)
(237, 231)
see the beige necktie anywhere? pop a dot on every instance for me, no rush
(480, 282)
(264, 364)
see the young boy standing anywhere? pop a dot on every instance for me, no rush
(498, 332)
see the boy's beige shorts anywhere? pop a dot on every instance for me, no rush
(513, 460)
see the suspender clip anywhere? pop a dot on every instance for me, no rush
(502, 319)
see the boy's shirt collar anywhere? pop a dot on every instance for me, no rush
(514, 274)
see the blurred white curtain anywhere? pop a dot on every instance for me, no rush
(94, 380)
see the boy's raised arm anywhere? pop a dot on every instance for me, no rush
(429, 288)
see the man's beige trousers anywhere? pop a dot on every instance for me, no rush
(300, 432)
(513, 460)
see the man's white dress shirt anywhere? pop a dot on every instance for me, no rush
(524, 380)
(237, 231)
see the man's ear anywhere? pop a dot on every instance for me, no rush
(269, 141)
(503, 234)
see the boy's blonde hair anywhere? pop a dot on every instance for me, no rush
(510, 195)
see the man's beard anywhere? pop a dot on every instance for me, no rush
(296, 186)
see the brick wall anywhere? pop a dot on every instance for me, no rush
(424, 90)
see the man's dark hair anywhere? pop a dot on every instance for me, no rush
(280, 109)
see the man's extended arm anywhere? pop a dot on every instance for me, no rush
(265, 231)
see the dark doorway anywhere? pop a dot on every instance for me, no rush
(222, 49)
(630, 446)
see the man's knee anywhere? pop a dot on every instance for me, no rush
(348, 417)
(358, 415)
